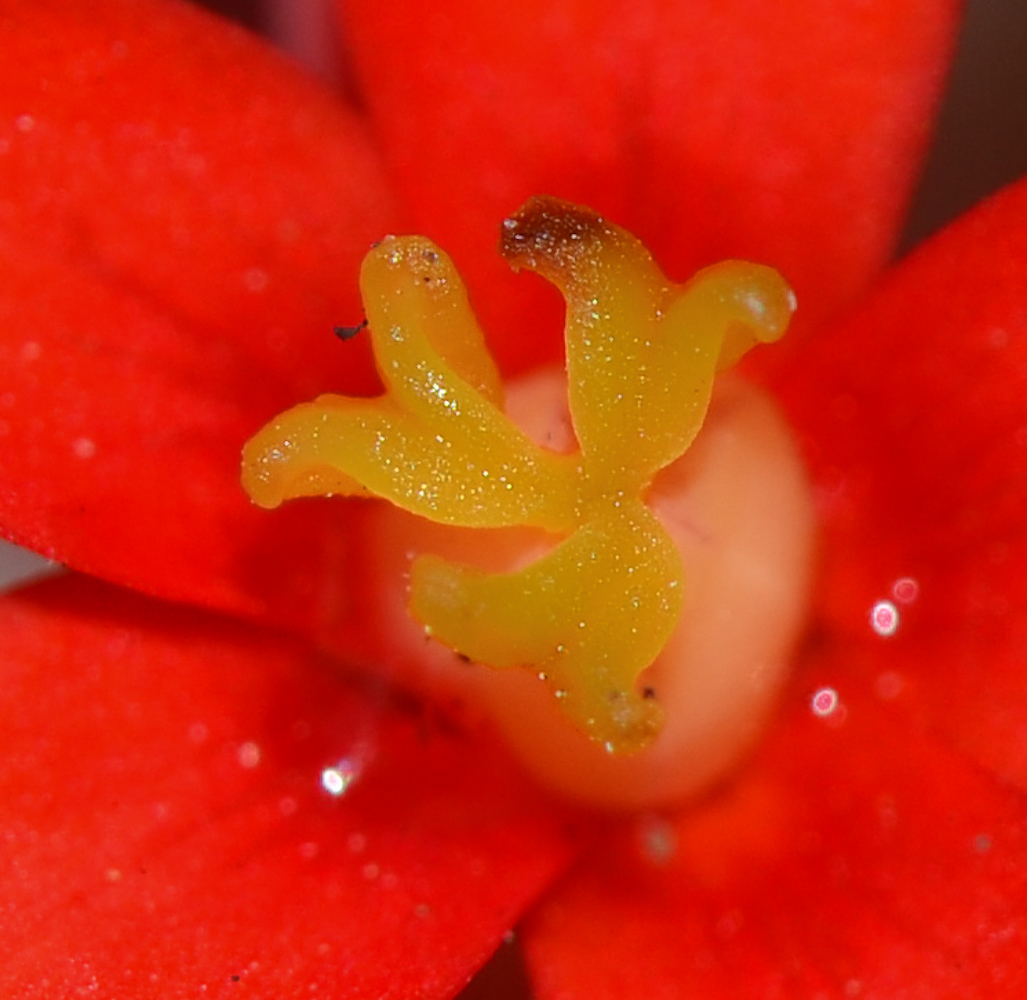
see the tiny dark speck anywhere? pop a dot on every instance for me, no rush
(648, 692)
(349, 332)
(463, 657)
(236, 979)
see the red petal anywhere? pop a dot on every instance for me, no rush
(916, 414)
(181, 219)
(167, 833)
(782, 132)
(171, 156)
(854, 858)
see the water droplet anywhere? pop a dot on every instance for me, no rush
(888, 685)
(83, 447)
(256, 279)
(249, 755)
(884, 618)
(824, 702)
(729, 924)
(337, 778)
(905, 590)
(998, 337)
(658, 840)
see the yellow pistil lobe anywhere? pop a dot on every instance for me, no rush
(592, 613)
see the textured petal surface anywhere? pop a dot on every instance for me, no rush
(786, 133)
(182, 216)
(916, 427)
(166, 833)
(854, 858)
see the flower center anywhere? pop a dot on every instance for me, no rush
(652, 596)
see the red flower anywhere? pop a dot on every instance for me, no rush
(181, 217)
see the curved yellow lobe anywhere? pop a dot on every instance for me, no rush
(642, 352)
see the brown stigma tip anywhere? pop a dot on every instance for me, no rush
(548, 235)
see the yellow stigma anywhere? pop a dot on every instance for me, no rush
(590, 615)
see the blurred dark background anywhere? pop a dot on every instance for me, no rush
(981, 143)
